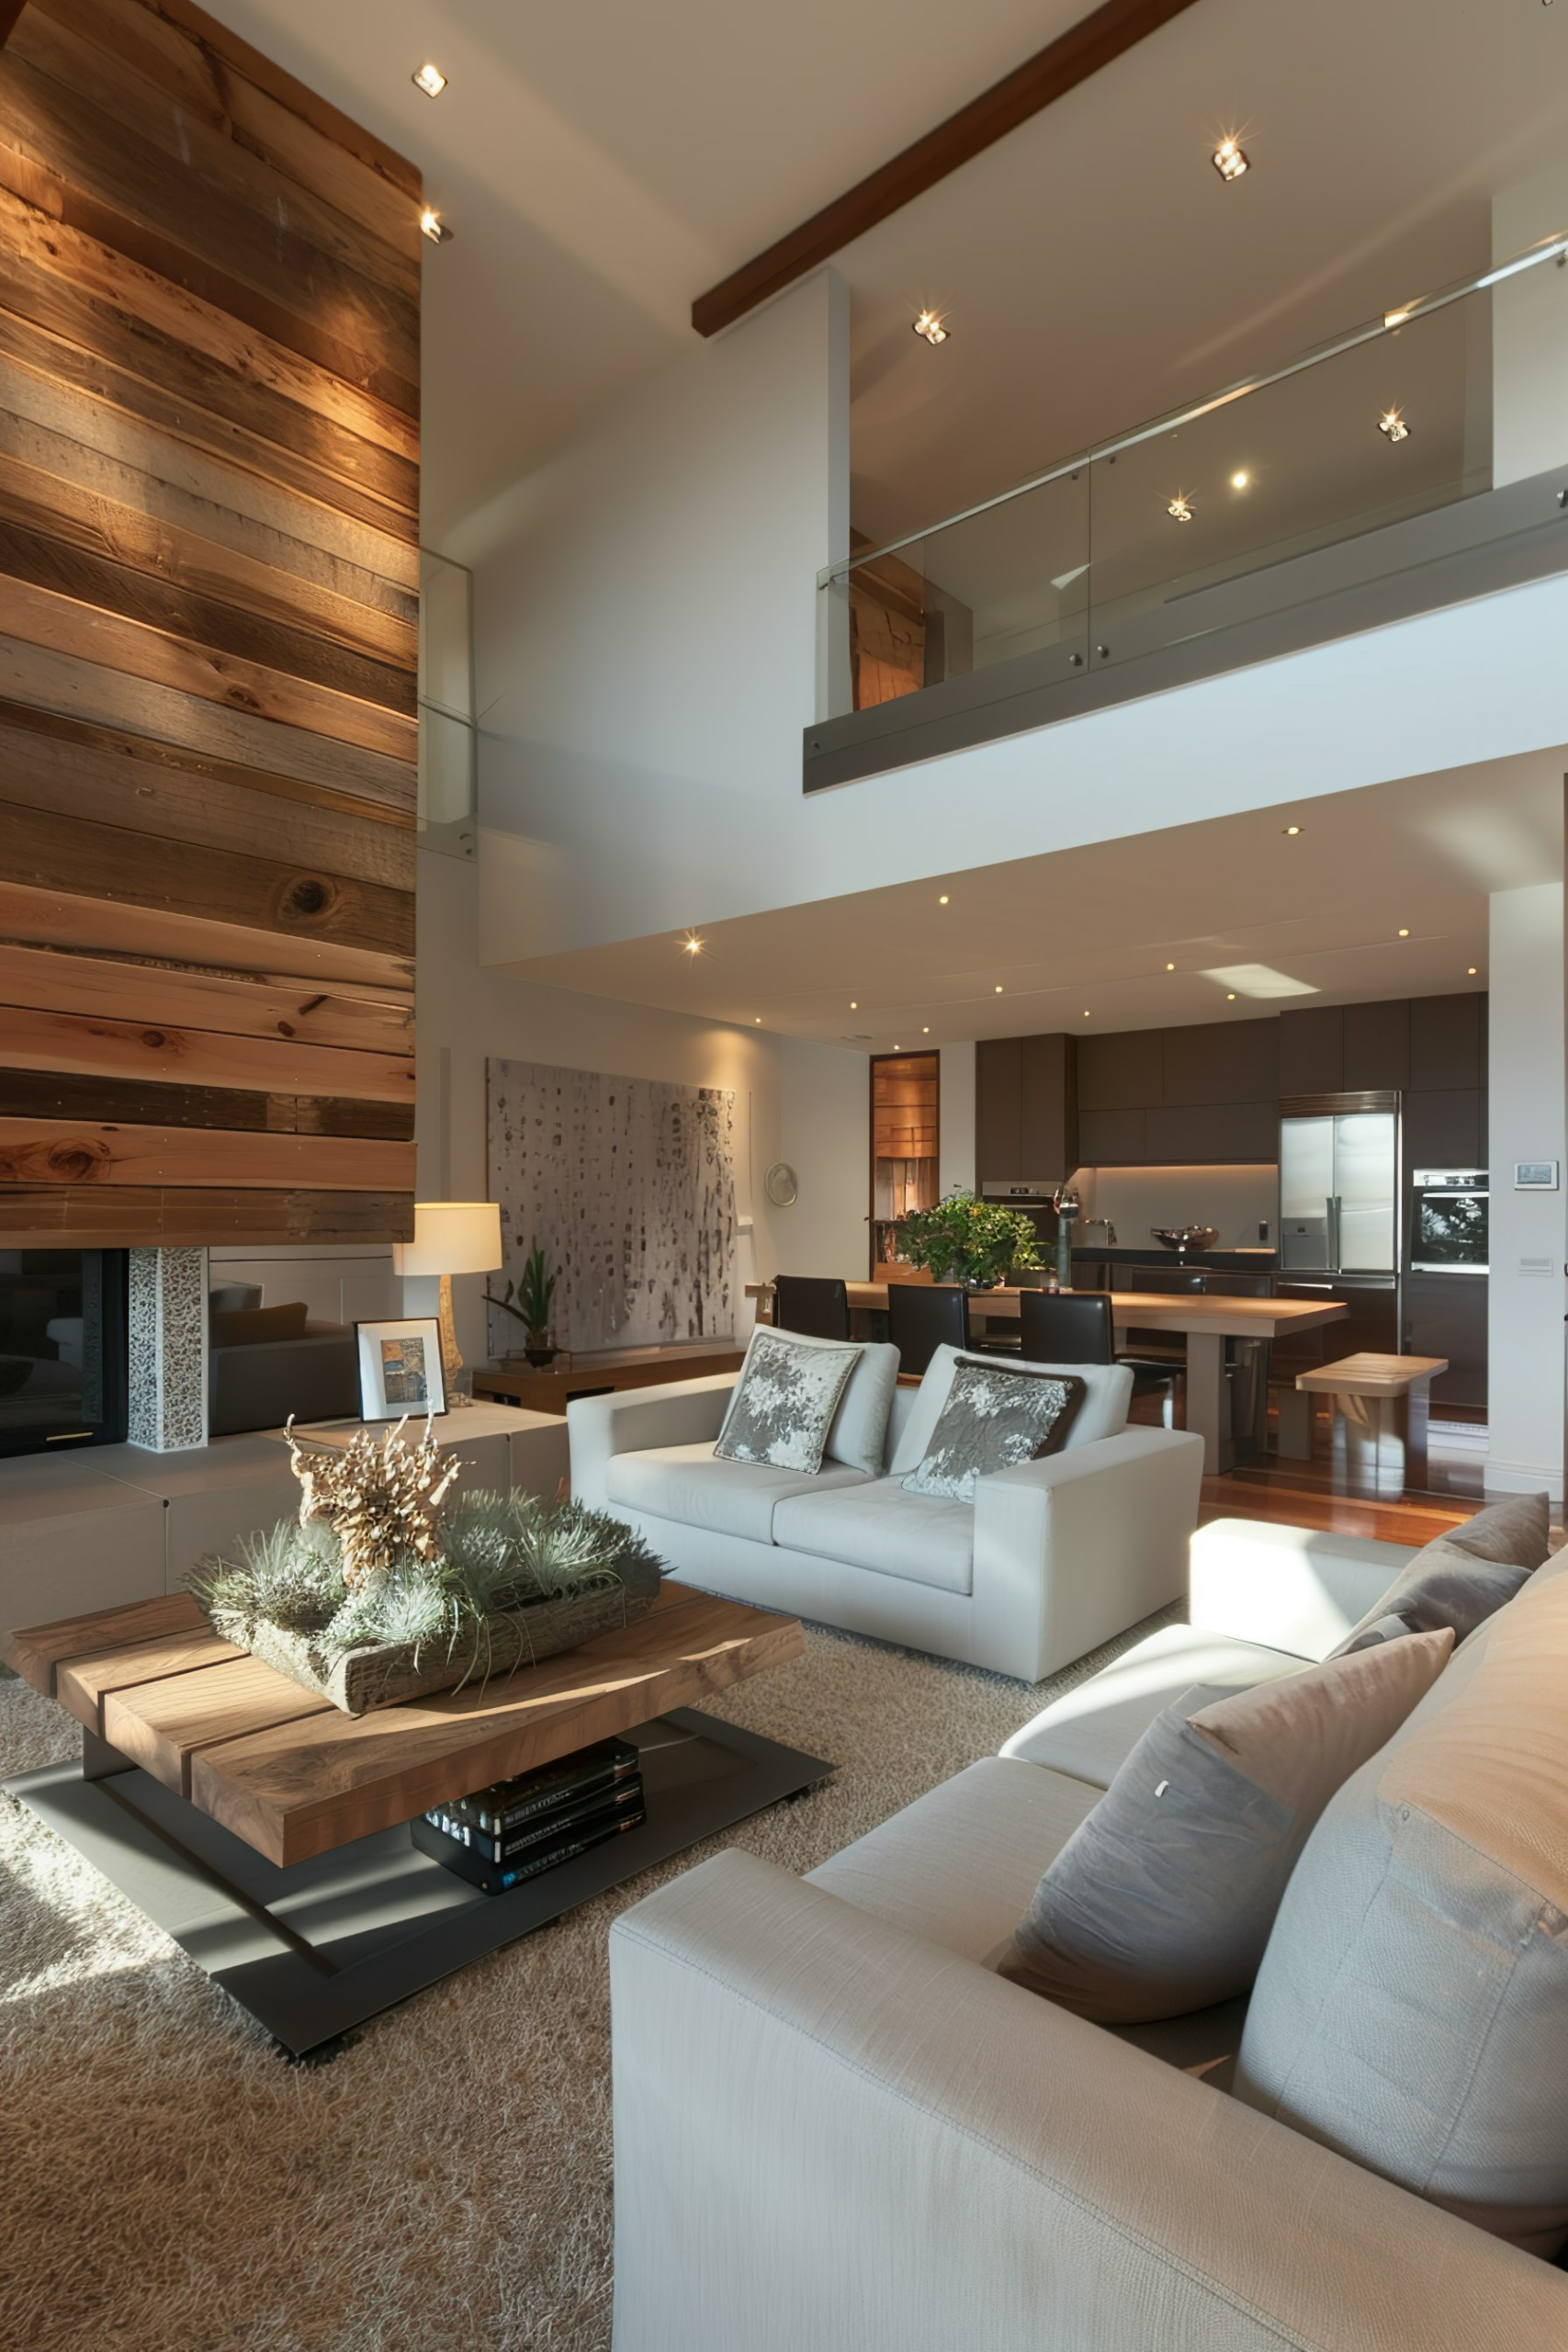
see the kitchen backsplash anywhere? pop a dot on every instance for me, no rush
(1235, 1201)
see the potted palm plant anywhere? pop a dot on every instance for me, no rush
(529, 1301)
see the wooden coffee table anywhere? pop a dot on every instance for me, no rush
(267, 1833)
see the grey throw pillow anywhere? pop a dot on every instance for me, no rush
(1163, 1898)
(1464, 1576)
(996, 1416)
(784, 1402)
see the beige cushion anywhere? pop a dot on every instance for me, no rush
(1092, 1730)
(1412, 2009)
(1108, 1392)
(1164, 1899)
(689, 1484)
(925, 1539)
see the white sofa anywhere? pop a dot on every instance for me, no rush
(836, 2126)
(1050, 1559)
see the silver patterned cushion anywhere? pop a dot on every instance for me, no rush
(996, 1416)
(784, 1402)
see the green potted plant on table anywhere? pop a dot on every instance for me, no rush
(965, 1240)
(529, 1301)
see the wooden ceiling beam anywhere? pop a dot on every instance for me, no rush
(1097, 40)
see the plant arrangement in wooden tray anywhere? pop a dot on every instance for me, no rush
(389, 1585)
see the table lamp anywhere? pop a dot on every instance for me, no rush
(451, 1238)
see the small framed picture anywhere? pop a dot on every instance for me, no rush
(400, 1368)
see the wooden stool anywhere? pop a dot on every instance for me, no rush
(1381, 1408)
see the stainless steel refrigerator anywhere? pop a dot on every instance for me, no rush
(1339, 1213)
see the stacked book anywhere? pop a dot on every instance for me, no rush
(514, 1829)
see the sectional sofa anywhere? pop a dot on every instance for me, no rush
(837, 2125)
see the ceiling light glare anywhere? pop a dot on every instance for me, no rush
(1170, 967)
(1259, 980)
(1230, 159)
(430, 79)
(692, 946)
(943, 900)
(998, 989)
(930, 327)
(1470, 971)
(925, 1033)
(1241, 479)
(1291, 832)
(1392, 425)
(433, 226)
(1178, 509)
(1394, 318)
(1405, 931)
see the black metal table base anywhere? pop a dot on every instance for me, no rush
(317, 1949)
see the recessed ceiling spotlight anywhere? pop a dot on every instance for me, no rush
(1404, 930)
(1291, 832)
(431, 80)
(1085, 1013)
(929, 325)
(1230, 159)
(1392, 425)
(926, 1032)
(433, 226)
(1241, 479)
(1178, 509)
(1230, 996)
(1470, 971)
(998, 989)
(692, 944)
(943, 900)
(757, 1021)
(1170, 967)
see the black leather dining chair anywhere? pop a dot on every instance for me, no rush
(815, 1304)
(1076, 1326)
(923, 1316)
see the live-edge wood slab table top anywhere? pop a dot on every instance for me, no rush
(294, 1777)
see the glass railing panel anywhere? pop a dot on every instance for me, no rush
(1388, 429)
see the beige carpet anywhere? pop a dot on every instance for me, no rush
(170, 2184)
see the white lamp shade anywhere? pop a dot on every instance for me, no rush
(451, 1238)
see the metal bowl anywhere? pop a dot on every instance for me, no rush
(1182, 1238)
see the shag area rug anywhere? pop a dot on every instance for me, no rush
(170, 2184)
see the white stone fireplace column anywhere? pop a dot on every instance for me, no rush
(168, 1350)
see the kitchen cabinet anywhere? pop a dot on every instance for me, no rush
(1026, 1114)
(1049, 1106)
(1445, 1314)
(998, 1110)
(1444, 1130)
(1124, 1071)
(1222, 1061)
(1445, 1038)
(1312, 1051)
(1377, 1046)
(1113, 1138)
(1201, 1134)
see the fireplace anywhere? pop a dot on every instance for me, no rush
(63, 1349)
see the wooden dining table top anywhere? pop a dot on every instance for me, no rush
(1150, 1310)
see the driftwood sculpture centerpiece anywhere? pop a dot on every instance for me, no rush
(389, 1585)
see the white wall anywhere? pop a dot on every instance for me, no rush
(1529, 331)
(1526, 1293)
(796, 1101)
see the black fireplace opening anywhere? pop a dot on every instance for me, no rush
(64, 1349)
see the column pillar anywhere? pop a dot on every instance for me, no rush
(1524, 1290)
(168, 1350)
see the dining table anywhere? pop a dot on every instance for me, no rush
(1204, 1319)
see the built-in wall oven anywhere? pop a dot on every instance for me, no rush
(1450, 1221)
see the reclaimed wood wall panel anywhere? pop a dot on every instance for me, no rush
(209, 315)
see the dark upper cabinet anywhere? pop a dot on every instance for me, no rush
(1049, 1106)
(1192, 1134)
(1222, 1061)
(1113, 1138)
(998, 1109)
(1445, 1130)
(1447, 1037)
(1312, 1051)
(1124, 1071)
(1377, 1046)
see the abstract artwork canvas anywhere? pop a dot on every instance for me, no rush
(628, 1187)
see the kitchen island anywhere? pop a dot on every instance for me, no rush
(1205, 1320)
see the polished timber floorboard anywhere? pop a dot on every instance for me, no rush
(1305, 1494)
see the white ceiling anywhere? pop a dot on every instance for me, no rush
(1095, 928)
(600, 167)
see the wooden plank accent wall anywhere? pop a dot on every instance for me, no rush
(209, 309)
